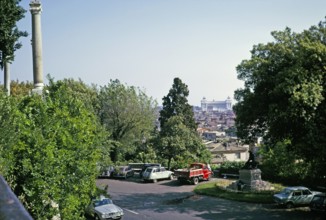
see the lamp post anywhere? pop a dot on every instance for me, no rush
(35, 9)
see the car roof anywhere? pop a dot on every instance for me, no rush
(154, 167)
(296, 188)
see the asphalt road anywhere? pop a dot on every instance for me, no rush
(170, 200)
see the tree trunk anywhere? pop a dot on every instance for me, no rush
(169, 162)
(7, 77)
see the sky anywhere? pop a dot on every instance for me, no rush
(147, 43)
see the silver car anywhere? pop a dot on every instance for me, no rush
(103, 208)
(294, 196)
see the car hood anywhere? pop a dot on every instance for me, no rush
(110, 208)
(316, 192)
(281, 195)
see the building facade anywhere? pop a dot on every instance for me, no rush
(220, 106)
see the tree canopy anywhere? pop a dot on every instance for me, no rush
(176, 103)
(51, 161)
(10, 13)
(129, 116)
(284, 94)
(178, 139)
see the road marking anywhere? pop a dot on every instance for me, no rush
(136, 213)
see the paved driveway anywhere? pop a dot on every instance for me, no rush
(170, 200)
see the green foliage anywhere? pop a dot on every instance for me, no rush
(217, 189)
(281, 165)
(87, 94)
(20, 89)
(178, 141)
(231, 167)
(129, 116)
(176, 103)
(10, 14)
(51, 165)
(7, 128)
(284, 95)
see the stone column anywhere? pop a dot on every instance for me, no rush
(36, 8)
(7, 77)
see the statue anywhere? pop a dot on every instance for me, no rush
(251, 163)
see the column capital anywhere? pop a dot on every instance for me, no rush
(35, 7)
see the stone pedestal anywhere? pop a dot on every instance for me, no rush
(247, 176)
(250, 180)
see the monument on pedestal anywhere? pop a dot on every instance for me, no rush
(250, 177)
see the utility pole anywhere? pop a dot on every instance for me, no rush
(35, 9)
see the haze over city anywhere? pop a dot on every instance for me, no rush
(148, 43)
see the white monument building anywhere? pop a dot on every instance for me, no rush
(220, 106)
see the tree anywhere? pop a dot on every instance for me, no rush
(51, 164)
(176, 103)
(87, 94)
(281, 165)
(10, 14)
(178, 139)
(129, 116)
(284, 94)
(7, 128)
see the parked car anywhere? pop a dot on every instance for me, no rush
(123, 172)
(294, 196)
(318, 202)
(106, 172)
(103, 208)
(145, 166)
(157, 173)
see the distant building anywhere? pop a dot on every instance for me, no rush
(228, 152)
(212, 135)
(220, 106)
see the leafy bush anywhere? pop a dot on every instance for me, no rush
(231, 167)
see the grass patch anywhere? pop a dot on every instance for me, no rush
(218, 189)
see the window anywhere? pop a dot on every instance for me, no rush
(237, 156)
(297, 193)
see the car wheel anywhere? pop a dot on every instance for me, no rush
(154, 180)
(97, 217)
(195, 180)
(289, 205)
(171, 177)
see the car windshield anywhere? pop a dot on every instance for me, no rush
(102, 202)
(286, 191)
(149, 170)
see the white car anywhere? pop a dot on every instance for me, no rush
(156, 173)
(104, 208)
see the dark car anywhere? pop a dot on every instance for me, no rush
(106, 172)
(318, 202)
(123, 172)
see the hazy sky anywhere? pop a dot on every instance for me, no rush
(147, 43)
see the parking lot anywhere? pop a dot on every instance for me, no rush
(168, 199)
